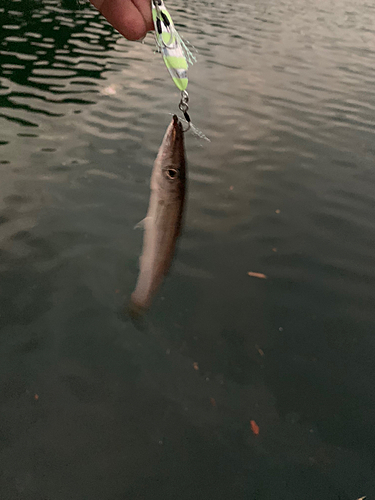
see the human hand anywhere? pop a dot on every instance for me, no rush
(132, 18)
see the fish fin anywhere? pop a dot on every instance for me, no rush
(136, 314)
(127, 313)
(141, 224)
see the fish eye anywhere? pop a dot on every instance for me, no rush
(172, 173)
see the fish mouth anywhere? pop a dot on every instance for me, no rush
(176, 131)
(176, 122)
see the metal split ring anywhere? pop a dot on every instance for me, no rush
(184, 106)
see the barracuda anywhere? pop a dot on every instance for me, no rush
(162, 224)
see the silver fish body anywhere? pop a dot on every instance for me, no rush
(162, 224)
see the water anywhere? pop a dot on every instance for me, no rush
(92, 408)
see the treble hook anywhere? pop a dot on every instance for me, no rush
(184, 106)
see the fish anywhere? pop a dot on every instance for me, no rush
(163, 222)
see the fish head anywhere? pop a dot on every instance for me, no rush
(171, 163)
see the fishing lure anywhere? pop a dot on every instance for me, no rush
(174, 51)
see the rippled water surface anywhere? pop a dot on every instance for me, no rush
(93, 408)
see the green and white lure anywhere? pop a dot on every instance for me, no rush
(175, 54)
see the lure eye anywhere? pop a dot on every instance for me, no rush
(172, 173)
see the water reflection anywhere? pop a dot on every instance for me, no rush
(285, 188)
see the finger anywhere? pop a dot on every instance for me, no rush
(132, 18)
(97, 3)
(144, 7)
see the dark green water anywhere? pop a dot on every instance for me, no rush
(286, 93)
